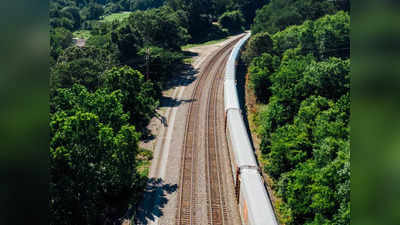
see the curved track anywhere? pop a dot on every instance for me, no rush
(217, 213)
(189, 173)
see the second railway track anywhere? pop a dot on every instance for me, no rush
(217, 212)
(187, 196)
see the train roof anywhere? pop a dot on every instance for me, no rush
(241, 146)
(231, 99)
(259, 207)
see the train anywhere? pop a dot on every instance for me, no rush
(255, 207)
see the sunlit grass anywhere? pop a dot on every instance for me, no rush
(115, 16)
(204, 43)
(85, 34)
(144, 158)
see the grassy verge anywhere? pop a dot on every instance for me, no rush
(188, 60)
(115, 16)
(204, 43)
(85, 34)
(144, 158)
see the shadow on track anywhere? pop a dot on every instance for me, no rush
(154, 199)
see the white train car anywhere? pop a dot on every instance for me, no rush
(239, 143)
(254, 203)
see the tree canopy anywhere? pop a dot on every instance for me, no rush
(302, 74)
(278, 15)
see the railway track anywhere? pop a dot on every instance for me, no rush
(187, 198)
(217, 211)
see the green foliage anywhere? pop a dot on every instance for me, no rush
(197, 12)
(93, 162)
(60, 38)
(288, 38)
(99, 104)
(115, 16)
(304, 129)
(146, 4)
(161, 62)
(92, 11)
(233, 21)
(85, 34)
(258, 44)
(105, 104)
(261, 68)
(328, 36)
(139, 95)
(91, 165)
(221, 6)
(278, 15)
(248, 8)
(74, 15)
(80, 66)
(157, 27)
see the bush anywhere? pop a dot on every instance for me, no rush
(260, 70)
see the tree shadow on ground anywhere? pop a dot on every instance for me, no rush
(173, 102)
(153, 201)
(183, 77)
(189, 54)
(146, 136)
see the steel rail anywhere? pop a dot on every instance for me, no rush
(188, 171)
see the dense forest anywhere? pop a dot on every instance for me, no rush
(299, 71)
(102, 96)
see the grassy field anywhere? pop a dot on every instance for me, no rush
(85, 34)
(115, 16)
(144, 158)
(204, 43)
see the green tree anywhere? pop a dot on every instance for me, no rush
(261, 68)
(286, 39)
(80, 66)
(258, 44)
(161, 62)
(72, 12)
(248, 8)
(60, 39)
(105, 104)
(278, 15)
(139, 95)
(91, 165)
(198, 12)
(157, 27)
(332, 36)
(146, 4)
(93, 11)
(304, 128)
(233, 21)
